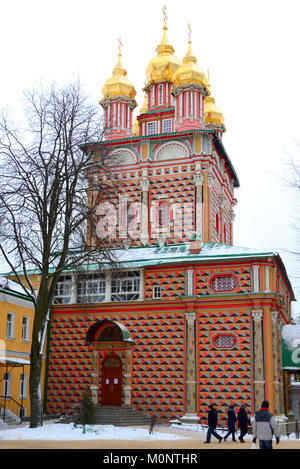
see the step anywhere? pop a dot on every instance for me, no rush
(122, 416)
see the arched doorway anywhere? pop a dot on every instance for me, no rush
(111, 381)
(111, 347)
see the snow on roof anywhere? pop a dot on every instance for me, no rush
(8, 284)
(154, 255)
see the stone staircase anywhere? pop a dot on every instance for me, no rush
(121, 416)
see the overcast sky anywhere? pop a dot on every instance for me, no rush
(250, 47)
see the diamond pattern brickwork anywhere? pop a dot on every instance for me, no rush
(224, 376)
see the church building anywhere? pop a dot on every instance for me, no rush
(188, 319)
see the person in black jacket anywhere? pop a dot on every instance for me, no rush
(212, 423)
(231, 421)
(243, 422)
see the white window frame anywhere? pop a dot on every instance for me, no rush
(25, 329)
(10, 325)
(150, 127)
(91, 289)
(7, 384)
(167, 123)
(156, 293)
(63, 291)
(23, 386)
(126, 286)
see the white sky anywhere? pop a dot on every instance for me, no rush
(250, 47)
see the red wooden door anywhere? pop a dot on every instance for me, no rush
(111, 382)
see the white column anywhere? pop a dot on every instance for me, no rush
(190, 282)
(255, 278)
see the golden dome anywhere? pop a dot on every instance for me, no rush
(136, 128)
(144, 108)
(189, 72)
(118, 84)
(164, 65)
(213, 114)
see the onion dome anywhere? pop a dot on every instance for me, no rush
(189, 72)
(135, 130)
(144, 108)
(118, 84)
(164, 65)
(213, 114)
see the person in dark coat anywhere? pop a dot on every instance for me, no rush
(212, 423)
(231, 422)
(243, 422)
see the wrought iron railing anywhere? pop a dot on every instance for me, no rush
(8, 406)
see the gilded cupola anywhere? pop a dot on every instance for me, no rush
(164, 65)
(213, 114)
(189, 72)
(119, 84)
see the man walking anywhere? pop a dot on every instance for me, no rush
(243, 422)
(264, 426)
(212, 423)
(231, 422)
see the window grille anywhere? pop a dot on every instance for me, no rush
(223, 283)
(126, 286)
(167, 125)
(151, 128)
(163, 214)
(160, 95)
(224, 341)
(91, 289)
(63, 290)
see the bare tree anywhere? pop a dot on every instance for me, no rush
(44, 210)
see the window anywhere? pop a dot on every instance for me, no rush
(10, 326)
(167, 125)
(224, 341)
(160, 95)
(151, 128)
(163, 215)
(91, 289)
(126, 286)
(23, 385)
(217, 223)
(62, 293)
(25, 328)
(127, 217)
(223, 282)
(7, 384)
(156, 292)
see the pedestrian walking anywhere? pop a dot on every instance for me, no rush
(264, 427)
(231, 422)
(243, 422)
(212, 421)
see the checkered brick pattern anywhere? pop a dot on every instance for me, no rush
(224, 376)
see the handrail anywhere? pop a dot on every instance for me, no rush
(19, 405)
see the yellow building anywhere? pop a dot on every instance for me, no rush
(16, 321)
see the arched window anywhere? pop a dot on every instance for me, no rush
(127, 217)
(163, 215)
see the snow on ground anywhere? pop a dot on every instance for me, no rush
(60, 431)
